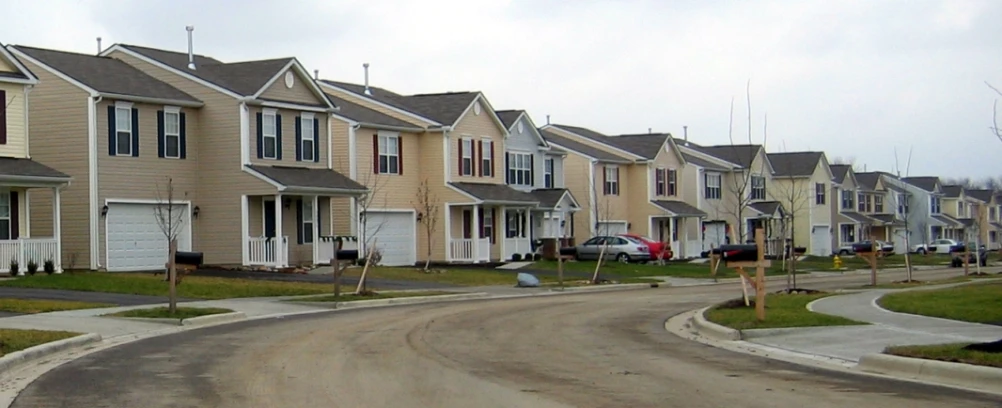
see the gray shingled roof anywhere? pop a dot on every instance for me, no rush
(303, 177)
(244, 78)
(13, 167)
(376, 93)
(508, 117)
(550, 197)
(795, 164)
(556, 151)
(925, 183)
(952, 191)
(860, 218)
(887, 219)
(496, 193)
(365, 115)
(947, 220)
(644, 145)
(591, 134)
(868, 180)
(679, 208)
(581, 147)
(706, 164)
(106, 75)
(839, 171)
(980, 194)
(742, 155)
(444, 108)
(766, 207)
(966, 222)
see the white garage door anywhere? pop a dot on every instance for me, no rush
(135, 241)
(714, 234)
(393, 235)
(821, 241)
(898, 238)
(611, 228)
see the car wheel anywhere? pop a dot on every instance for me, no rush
(921, 251)
(843, 252)
(624, 258)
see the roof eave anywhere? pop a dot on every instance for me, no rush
(153, 101)
(328, 190)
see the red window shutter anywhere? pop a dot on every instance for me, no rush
(400, 156)
(605, 182)
(480, 154)
(460, 168)
(467, 227)
(494, 221)
(480, 222)
(375, 154)
(3, 117)
(492, 160)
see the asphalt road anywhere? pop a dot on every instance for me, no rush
(384, 284)
(590, 350)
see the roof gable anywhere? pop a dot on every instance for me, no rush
(22, 74)
(980, 194)
(740, 155)
(930, 184)
(795, 164)
(303, 78)
(511, 119)
(378, 96)
(368, 117)
(581, 148)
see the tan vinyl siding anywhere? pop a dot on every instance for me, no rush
(612, 207)
(299, 93)
(577, 167)
(6, 66)
(637, 200)
(668, 160)
(58, 129)
(288, 139)
(389, 191)
(355, 98)
(476, 128)
(15, 105)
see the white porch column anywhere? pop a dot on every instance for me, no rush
(245, 230)
(280, 241)
(529, 227)
(57, 228)
(316, 229)
(27, 214)
(684, 248)
(448, 233)
(475, 232)
(504, 232)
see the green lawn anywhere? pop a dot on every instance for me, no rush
(781, 311)
(350, 297)
(464, 277)
(32, 306)
(953, 353)
(164, 313)
(194, 287)
(917, 283)
(826, 263)
(978, 303)
(681, 269)
(12, 340)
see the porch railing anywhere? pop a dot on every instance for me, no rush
(268, 251)
(25, 250)
(461, 250)
(517, 246)
(325, 249)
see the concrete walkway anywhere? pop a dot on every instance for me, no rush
(886, 329)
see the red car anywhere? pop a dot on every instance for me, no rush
(656, 248)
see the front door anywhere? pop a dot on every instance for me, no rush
(269, 218)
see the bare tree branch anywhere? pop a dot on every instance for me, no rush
(995, 113)
(428, 209)
(170, 219)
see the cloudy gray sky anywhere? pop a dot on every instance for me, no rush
(855, 78)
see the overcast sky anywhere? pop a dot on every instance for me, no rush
(852, 78)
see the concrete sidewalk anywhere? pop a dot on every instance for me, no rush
(886, 328)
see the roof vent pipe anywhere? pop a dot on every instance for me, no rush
(685, 134)
(316, 74)
(366, 67)
(191, 50)
(547, 119)
(99, 49)
(649, 132)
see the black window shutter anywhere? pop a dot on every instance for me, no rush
(184, 139)
(507, 170)
(135, 132)
(15, 218)
(3, 117)
(375, 153)
(278, 136)
(299, 138)
(400, 155)
(532, 170)
(317, 218)
(316, 140)
(605, 181)
(299, 221)
(260, 135)
(161, 143)
(112, 146)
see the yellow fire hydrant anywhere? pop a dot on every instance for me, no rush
(837, 262)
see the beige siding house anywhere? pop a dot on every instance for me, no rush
(24, 177)
(801, 183)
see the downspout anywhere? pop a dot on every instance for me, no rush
(353, 173)
(27, 132)
(95, 213)
(244, 132)
(592, 197)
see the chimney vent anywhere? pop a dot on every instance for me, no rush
(365, 66)
(685, 133)
(649, 131)
(191, 50)
(99, 49)
(316, 74)
(547, 119)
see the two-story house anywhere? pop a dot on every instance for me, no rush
(23, 179)
(851, 224)
(959, 208)
(926, 219)
(983, 209)
(876, 198)
(801, 183)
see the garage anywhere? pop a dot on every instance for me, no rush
(394, 235)
(714, 234)
(134, 240)
(611, 228)
(898, 238)
(821, 241)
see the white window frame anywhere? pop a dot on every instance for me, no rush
(712, 191)
(548, 170)
(820, 193)
(306, 118)
(611, 180)
(992, 213)
(848, 200)
(935, 205)
(273, 136)
(861, 202)
(308, 219)
(392, 157)
(878, 204)
(757, 191)
(842, 235)
(488, 225)
(671, 182)
(520, 174)
(485, 161)
(120, 131)
(169, 113)
(467, 159)
(660, 181)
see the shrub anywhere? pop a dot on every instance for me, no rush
(14, 266)
(49, 266)
(32, 267)
(516, 257)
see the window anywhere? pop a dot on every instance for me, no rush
(672, 182)
(307, 213)
(861, 202)
(992, 214)
(123, 131)
(848, 233)
(878, 204)
(515, 224)
(172, 133)
(487, 158)
(389, 154)
(269, 135)
(611, 180)
(712, 189)
(306, 130)
(819, 193)
(847, 199)
(467, 158)
(5, 215)
(902, 204)
(934, 205)
(993, 236)
(487, 227)
(757, 188)
(960, 210)
(660, 184)
(547, 172)
(520, 169)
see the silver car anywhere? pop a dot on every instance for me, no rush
(622, 249)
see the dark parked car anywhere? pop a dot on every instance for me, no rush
(972, 258)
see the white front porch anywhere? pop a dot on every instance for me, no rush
(17, 245)
(287, 230)
(681, 232)
(474, 231)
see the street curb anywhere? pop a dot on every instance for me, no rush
(941, 372)
(414, 300)
(42, 350)
(610, 287)
(712, 330)
(213, 319)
